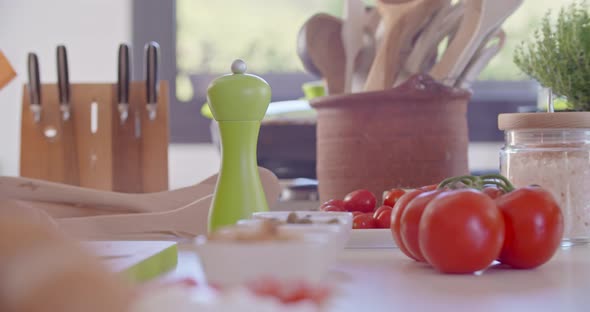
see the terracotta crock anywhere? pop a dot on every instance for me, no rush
(409, 136)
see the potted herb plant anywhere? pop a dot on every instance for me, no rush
(558, 55)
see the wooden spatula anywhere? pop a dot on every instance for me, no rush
(482, 17)
(402, 21)
(444, 23)
(352, 37)
(481, 59)
(185, 222)
(365, 57)
(43, 191)
(325, 49)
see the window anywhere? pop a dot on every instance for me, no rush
(206, 36)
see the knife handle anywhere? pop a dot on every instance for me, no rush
(123, 73)
(63, 80)
(151, 71)
(34, 79)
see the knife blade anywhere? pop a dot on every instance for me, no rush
(152, 54)
(63, 82)
(123, 73)
(34, 86)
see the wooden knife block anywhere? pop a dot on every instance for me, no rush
(103, 155)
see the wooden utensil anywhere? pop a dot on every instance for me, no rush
(352, 37)
(444, 24)
(402, 21)
(84, 198)
(481, 59)
(482, 17)
(303, 54)
(7, 73)
(185, 222)
(325, 48)
(366, 55)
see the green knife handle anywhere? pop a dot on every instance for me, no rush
(239, 191)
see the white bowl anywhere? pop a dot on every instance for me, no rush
(344, 218)
(336, 233)
(234, 263)
(371, 238)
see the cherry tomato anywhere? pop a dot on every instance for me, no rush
(396, 216)
(410, 222)
(333, 202)
(493, 192)
(534, 227)
(392, 197)
(333, 208)
(383, 217)
(360, 200)
(461, 231)
(364, 221)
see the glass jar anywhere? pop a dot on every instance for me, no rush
(554, 154)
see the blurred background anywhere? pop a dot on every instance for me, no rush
(199, 39)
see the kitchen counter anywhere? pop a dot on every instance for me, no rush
(385, 280)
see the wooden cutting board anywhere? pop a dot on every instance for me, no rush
(140, 261)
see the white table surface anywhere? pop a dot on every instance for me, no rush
(385, 280)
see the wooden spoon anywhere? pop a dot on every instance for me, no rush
(50, 192)
(303, 54)
(185, 222)
(482, 17)
(324, 45)
(352, 37)
(402, 21)
(444, 24)
(482, 58)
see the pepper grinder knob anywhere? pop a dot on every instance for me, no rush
(238, 96)
(238, 102)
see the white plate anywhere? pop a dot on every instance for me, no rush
(371, 238)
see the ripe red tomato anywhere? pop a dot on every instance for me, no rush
(356, 213)
(396, 216)
(493, 192)
(534, 227)
(431, 187)
(461, 231)
(392, 197)
(360, 200)
(333, 202)
(364, 221)
(383, 217)
(333, 208)
(410, 222)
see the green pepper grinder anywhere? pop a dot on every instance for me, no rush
(238, 103)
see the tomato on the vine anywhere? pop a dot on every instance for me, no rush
(461, 231)
(396, 216)
(382, 217)
(534, 227)
(392, 196)
(410, 222)
(360, 200)
(493, 192)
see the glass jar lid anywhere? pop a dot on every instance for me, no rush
(560, 120)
